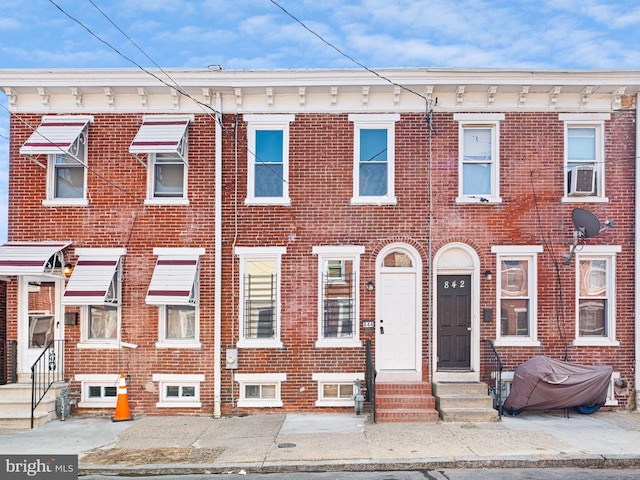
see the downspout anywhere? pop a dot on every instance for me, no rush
(636, 317)
(217, 276)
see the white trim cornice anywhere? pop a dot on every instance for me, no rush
(280, 91)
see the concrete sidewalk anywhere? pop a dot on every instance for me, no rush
(328, 442)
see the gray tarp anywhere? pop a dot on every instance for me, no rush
(543, 383)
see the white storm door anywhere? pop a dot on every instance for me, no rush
(40, 319)
(396, 322)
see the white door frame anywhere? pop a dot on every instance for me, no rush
(458, 259)
(26, 355)
(415, 374)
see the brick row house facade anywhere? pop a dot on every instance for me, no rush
(233, 240)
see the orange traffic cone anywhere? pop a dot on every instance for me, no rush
(122, 404)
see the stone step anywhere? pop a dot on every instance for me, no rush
(469, 415)
(458, 388)
(463, 401)
(22, 421)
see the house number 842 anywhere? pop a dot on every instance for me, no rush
(454, 284)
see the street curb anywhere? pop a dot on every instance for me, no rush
(586, 461)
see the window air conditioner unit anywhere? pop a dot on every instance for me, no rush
(582, 180)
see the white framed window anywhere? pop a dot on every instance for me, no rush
(67, 176)
(176, 390)
(584, 160)
(338, 299)
(374, 158)
(63, 139)
(478, 157)
(98, 390)
(175, 289)
(259, 309)
(164, 141)
(167, 179)
(596, 295)
(336, 389)
(99, 326)
(268, 159)
(517, 294)
(260, 389)
(179, 326)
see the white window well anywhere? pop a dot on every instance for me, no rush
(260, 389)
(336, 389)
(98, 390)
(177, 390)
(63, 139)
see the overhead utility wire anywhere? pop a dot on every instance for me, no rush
(347, 56)
(218, 115)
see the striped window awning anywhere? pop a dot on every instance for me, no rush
(175, 278)
(32, 258)
(56, 134)
(162, 134)
(94, 280)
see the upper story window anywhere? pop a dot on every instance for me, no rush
(260, 296)
(517, 294)
(596, 295)
(338, 280)
(478, 157)
(63, 139)
(584, 157)
(374, 158)
(164, 140)
(268, 159)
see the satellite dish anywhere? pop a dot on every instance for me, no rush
(586, 223)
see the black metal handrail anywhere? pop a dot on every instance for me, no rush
(46, 370)
(495, 369)
(8, 362)
(370, 381)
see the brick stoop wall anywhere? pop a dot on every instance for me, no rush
(405, 402)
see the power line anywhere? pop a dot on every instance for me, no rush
(347, 56)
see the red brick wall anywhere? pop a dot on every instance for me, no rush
(321, 178)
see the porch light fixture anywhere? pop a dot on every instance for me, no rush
(68, 270)
(369, 286)
(487, 275)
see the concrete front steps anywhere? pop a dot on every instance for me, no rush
(464, 402)
(405, 402)
(15, 406)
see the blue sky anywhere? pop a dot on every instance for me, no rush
(257, 34)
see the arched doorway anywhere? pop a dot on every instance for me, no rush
(456, 306)
(399, 313)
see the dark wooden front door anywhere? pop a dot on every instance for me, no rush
(454, 322)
